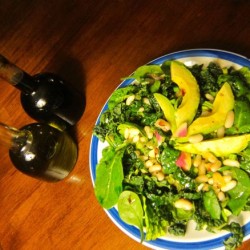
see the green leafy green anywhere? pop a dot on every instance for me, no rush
(155, 223)
(245, 71)
(236, 238)
(130, 210)
(109, 177)
(240, 194)
(211, 204)
(168, 159)
(241, 120)
(245, 159)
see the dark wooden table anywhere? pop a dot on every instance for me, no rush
(92, 44)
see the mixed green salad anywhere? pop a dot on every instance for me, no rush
(178, 149)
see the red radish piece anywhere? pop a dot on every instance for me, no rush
(184, 161)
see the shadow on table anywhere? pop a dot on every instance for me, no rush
(71, 70)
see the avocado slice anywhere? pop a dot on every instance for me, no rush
(219, 147)
(223, 103)
(167, 108)
(188, 85)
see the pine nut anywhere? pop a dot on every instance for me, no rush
(126, 133)
(146, 101)
(201, 169)
(160, 176)
(141, 109)
(231, 163)
(154, 168)
(133, 132)
(216, 189)
(209, 97)
(143, 139)
(195, 138)
(205, 113)
(218, 180)
(148, 132)
(210, 181)
(183, 204)
(130, 99)
(229, 119)
(230, 185)
(148, 163)
(136, 138)
(201, 178)
(200, 187)
(208, 166)
(205, 187)
(215, 166)
(151, 153)
(227, 178)
(221, 196)
(210, 157)
(221, 132)
(197, 160)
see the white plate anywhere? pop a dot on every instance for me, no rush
(201, 240)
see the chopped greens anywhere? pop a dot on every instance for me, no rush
(158, 170)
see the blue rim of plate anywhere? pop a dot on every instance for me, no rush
(132, 231)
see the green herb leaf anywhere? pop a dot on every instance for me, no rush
(239, 195)
(130, 210)
(109, 177)
(211, 204)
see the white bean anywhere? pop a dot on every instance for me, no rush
(201, 178)
(221, 196)
(231, 163)
(154, 168)
(183, 204)
(209, 97)
(195, 138)
(215, 166)
(229, 185)
(229, 119)
(210, 157)
(160, 176)
(130, 99)
(148, 163)
(221, 132)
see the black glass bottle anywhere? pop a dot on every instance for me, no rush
(45, 96)
(40, 151)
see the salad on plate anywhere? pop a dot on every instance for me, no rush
(178, 150)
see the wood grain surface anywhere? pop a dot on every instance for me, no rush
(92, 44)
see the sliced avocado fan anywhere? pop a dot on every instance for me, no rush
(223, 103)
(186, 111)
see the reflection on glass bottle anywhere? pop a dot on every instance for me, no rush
(45, 97)
(40, 151)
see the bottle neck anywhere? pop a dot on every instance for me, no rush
(15, 76)
(13, 138)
